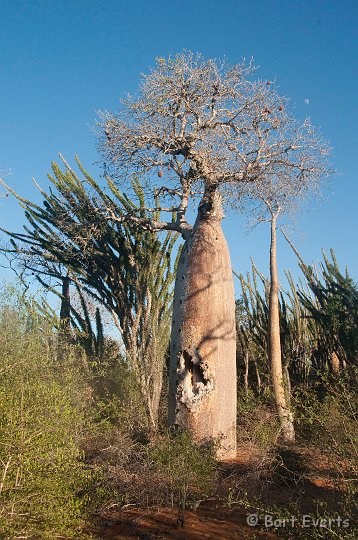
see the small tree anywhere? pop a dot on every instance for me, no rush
(277, 192)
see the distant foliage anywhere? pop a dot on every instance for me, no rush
(333, 306)
(318, 325)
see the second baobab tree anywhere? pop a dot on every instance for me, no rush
(196, 130)
(281, 190)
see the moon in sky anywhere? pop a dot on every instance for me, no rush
(307, 101)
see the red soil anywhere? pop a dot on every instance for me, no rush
(310, 478)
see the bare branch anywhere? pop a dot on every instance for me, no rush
(202, 122)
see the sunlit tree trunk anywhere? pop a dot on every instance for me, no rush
(202, 379)
(258, 377)
(335, 363)
(283, 410)
(246, 373)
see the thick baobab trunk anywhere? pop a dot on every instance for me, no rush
(202, 378)
(283, 410)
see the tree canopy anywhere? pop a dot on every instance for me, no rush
(200, 123)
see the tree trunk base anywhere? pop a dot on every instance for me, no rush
(202, 376)
(287, 435)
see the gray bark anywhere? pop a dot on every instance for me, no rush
(283, 410)
(202, 378)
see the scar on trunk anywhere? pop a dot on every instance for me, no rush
(193, 379)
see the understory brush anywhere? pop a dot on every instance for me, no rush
(45, 414)
(257, 423)
(170, 470)
(330, 420)
(75, 444)
(74, 441)
(315, 477)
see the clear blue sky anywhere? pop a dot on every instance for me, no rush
(62, 60)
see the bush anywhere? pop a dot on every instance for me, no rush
(188, 470)
(169, 470)
(330, 422)
(44, 416)
(118, 400)
(257, 422)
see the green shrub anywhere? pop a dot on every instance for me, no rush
(188, 469)
(257, 422)
(44, 416)
(118, 399)
(330, 420)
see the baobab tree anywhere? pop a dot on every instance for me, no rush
(207, 130)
